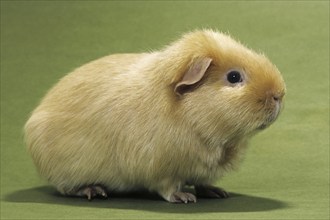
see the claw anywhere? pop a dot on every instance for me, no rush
(182, 197)
(100, 191)
(92, 191)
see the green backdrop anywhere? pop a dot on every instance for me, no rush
(286, 171)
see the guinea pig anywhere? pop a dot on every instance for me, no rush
(157, 121)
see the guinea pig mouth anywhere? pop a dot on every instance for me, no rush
(269, 120)
(262, 127)
(272, 114)
(266, 124)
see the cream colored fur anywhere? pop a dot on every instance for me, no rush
(118, 122)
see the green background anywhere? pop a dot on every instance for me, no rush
(286, 171)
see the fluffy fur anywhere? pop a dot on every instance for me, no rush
(117, 121)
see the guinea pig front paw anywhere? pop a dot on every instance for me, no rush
(208, 191)
(182, 197)
(92, 191)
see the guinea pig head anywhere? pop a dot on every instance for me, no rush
(232, 91)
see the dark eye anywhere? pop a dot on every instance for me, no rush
(234, 77)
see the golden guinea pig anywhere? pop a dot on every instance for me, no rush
(155, 121)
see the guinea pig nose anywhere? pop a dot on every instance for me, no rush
(276, 98)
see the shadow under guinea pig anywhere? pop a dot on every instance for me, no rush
(148, 202)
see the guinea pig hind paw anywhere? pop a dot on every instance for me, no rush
(182, 197)
(92, 191)
(208, 191)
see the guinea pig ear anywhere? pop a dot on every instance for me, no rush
(193, 75)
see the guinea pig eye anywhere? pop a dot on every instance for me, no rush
(234, 77)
